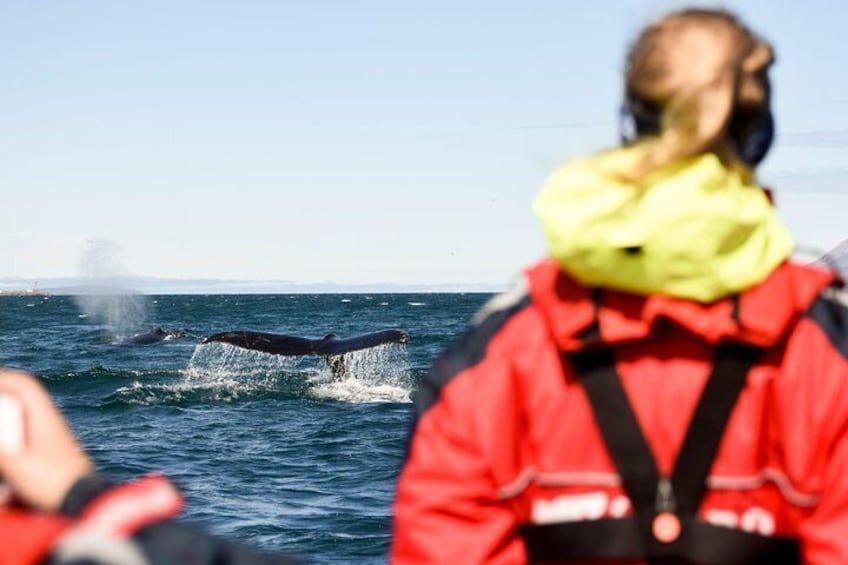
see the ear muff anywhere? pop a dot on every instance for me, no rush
(753, 135)
(637, 119)
(752, 132)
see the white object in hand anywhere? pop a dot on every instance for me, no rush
(11, 425)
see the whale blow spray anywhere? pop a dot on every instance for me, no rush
(106, 297)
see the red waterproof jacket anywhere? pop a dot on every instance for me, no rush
(505, 438)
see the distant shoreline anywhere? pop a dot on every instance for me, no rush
(241, 293)
(233, 292)
(151, 286)
(25, 293)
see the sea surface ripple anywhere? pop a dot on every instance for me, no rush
(270, 451)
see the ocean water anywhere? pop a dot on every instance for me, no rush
(268, 450)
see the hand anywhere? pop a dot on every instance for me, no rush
(52, 460)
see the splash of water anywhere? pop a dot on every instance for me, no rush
(378, 374)
(105, 298)
(221, 361)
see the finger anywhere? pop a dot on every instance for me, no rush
(11, 424)
(43, 424)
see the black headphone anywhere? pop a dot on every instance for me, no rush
(753, 131)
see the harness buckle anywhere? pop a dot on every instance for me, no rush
(666, 525)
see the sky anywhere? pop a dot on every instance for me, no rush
(350, 141)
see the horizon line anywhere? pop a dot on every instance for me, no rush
(73, 286)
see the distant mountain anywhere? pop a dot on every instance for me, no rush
(153, 285)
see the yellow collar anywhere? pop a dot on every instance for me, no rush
(693, 229)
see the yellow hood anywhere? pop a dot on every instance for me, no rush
(693, 229)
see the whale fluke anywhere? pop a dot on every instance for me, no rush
(330, 344)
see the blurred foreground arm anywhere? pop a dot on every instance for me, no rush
(60, 512)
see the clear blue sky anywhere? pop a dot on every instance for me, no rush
(349, 141)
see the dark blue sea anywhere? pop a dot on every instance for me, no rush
(269, 450)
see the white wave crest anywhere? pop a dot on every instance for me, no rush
(378, 374)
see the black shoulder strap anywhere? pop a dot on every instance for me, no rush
(625, 442)
(649, 493)
(707, 426)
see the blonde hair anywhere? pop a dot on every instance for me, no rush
(696, 67)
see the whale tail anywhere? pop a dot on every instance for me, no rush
(329, 345)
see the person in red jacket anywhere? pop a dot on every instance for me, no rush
(668, 386)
